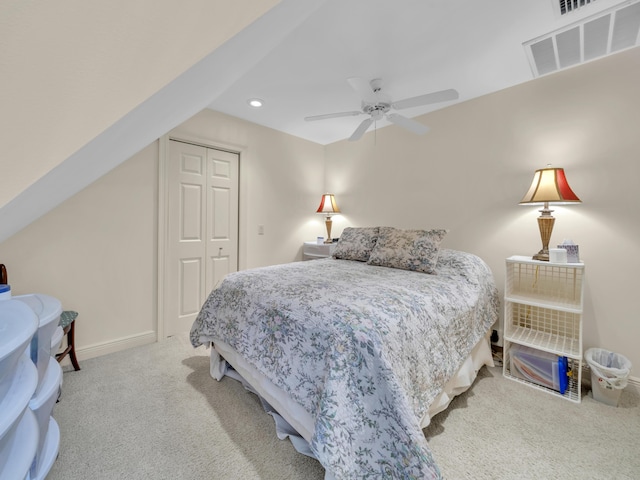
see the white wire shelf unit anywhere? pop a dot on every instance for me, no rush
(543, 310)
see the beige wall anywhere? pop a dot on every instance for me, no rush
(97, 252)
(281, 182)
(469, 173)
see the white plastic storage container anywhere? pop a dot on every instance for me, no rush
(540, 367)
(48, 310)
(49, 452)
(21, 449)
(18, 427)
(5, 292)
(18, 325)
(56, 340)
(42, 406)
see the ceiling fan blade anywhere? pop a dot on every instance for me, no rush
(363, 89)
(407, 123)
(427, 99)
(332, 115)
(361, 129)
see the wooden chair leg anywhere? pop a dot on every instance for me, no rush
(68, 321)
(71, 341)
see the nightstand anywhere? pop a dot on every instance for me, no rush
(543, 304)
(314, 250)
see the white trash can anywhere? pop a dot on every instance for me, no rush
(609, 374)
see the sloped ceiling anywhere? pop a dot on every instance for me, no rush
(414, 46)
(86, 84)
(70, 70)
(56, 142)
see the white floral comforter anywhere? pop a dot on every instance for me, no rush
(363, 349)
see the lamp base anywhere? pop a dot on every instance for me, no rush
(545, 224)
(542, 256)
(328, 223)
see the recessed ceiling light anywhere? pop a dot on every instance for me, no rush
(255, 102)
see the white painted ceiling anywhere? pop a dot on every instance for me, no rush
(414, 46)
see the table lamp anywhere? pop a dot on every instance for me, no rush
(549, 186)
(328, 207)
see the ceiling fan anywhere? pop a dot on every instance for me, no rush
(377, 105)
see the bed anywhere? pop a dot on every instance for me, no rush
(356, 353)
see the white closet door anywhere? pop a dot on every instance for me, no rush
(202, 225)
(222, 216)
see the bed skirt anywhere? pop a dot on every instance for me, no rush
(296, 423)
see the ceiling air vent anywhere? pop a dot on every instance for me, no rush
(567, 6)
(602, 34)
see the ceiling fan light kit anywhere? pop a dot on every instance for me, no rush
(377, 105)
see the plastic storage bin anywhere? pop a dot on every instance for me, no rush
(42, 406)
(540, 367)
(21, 449)
(5, 292)
(18, 325)
(18, 427)
(49, 452)
(56, 340)
(609, 374)
(48, 310)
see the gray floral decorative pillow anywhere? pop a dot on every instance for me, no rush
(356, 243)
(415, 250)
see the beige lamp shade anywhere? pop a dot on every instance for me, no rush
(550, 185)
(328, 205)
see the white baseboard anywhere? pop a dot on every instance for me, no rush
(124, 343)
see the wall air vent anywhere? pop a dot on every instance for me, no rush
(567, 6)
(607, 32)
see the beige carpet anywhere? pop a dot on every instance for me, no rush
(154, 412)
